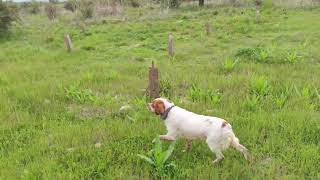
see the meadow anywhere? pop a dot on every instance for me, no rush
(59, 111)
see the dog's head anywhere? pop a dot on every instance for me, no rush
(159, 105)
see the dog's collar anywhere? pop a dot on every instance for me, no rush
(165, 114)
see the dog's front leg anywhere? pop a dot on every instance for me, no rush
(165, 138)
(189, 145)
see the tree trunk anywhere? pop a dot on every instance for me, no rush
(67, 40)
(170, 45)
(154, 84)
(201, 2)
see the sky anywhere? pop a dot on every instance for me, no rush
(25, 0)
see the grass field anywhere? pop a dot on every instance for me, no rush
(59, 111)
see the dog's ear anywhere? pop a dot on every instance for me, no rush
(158, 106)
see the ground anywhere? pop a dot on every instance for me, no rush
(59, 111)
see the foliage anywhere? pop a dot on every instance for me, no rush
(261, 54)
(292, 57)
(252, 102)
(159, 159)
(53, 1)
(166, 88)
(87, 8)
(259, 86)
(245, 53)
(258, 54)
(197, 95)
(74, 93)
(174, 3)
(71, 5)
(229, 64)
(34, 7)
(169, 3)
(135, 3)
(281, 100)
(8, 14)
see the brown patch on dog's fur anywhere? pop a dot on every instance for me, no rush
(224, 124)
(158, 106)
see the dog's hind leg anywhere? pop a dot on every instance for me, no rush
(188, 145)
(216, 149)
(235, 143)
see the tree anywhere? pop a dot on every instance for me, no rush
(7, 15)
(201, 2)
(53, 1)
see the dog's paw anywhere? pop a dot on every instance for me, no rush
(217, 161)
(248, 157)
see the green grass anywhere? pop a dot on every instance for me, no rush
(59, 111)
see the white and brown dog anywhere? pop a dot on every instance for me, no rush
(185, 124)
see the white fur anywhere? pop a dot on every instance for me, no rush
(188, 125)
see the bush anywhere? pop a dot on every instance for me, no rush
(134, 3)
(169, 3)
(53, 1)
(258, 54)
(259, 86)
(103, 9)
(71, 5)
(197, 94)
(7, 16)
(51, 11)
(174, 3)
(34, 7)
(86, 8)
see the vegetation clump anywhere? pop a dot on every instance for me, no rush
(8, 14)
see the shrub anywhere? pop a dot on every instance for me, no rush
(174, 3)
(87, 8)
(197, 94)
(159, 159)
(53, 1)
(134, 3)
(252, 102)
(229, 64)
(51, 11)
(76, 94)
(13, 9)
(292, 57)
(71, 5)
(258, 54)
(7, 16)
(259, 86)
(169, 3)
(104, 9)
(245, 53)
(261, 54)
(34, 7)
(258, 2)
(280, 100)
